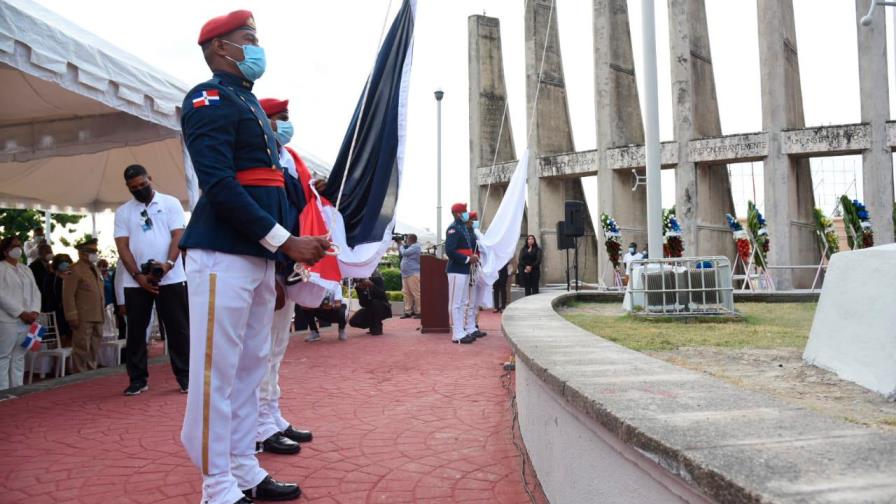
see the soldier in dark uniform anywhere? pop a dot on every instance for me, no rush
(235, 232)
(460, 247)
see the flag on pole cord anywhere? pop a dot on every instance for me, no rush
(362, 225)
(498, 244)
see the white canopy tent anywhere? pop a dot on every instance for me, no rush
(75, 110)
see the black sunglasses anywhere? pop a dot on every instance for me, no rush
(147, 222)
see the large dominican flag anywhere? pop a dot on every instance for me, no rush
(366, 215)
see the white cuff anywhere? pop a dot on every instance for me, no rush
(467, 261)
(276, 236)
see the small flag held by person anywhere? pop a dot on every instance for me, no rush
(34, 337)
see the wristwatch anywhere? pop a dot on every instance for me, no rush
(170, 263)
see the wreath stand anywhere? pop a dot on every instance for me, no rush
(823, 263)
(755, 276)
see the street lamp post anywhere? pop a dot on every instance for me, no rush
(439, 94)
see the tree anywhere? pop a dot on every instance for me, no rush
(21, 223)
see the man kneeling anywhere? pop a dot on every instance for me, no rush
(374, 303)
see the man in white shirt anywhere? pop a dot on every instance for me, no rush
(631, 255)
(31, 246)
(147, 232)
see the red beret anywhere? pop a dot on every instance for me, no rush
(273, 106)
(459, 208)
(222, 25)
(474, 215)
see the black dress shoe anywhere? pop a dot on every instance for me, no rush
(244, 500)
(280, 445)
(479, 334)
(272, 490)
(466, 340)
(299, 436)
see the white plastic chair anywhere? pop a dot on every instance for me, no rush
(50, 347)
(154, 330)
(110, 342)
(109, 329)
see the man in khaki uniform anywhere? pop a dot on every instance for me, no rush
(82, 300)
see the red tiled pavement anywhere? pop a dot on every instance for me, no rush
(398, 418)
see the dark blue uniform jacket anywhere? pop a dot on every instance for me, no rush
(458, 242)
(224, 136)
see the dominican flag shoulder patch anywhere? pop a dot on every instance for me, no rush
(206, 97)
(34, 337)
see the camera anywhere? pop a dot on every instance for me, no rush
(152, 269)
(398, 237)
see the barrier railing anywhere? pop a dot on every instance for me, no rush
(681, 286)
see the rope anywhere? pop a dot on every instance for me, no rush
(300, 272)
(351, 149)
(506, 101)
(534, 104)
(544, 51)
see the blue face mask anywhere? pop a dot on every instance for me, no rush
(284, 132)
(476, 224)
(465, 216)
(253, 64)
(63, 266)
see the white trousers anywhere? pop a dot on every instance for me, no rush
(270, 419)
(461, 309)
(231, 309)
(12, 355)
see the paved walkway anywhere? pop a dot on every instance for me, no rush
(398, 418)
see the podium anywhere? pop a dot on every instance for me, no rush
(434, 295)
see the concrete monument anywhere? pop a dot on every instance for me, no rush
(699, 152)
(854, 330)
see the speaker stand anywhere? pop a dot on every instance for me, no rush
(567, 269)
(575, 240)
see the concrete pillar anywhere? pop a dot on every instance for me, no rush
(487, 98)
(789, 198)
(551, 134)
(877, 161)
(618, 123)
(702, 192)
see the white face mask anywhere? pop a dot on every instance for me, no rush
(15, 252)
(48, 257)
(631, 251)
(93, 258)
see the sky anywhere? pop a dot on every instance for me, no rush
(320, 52)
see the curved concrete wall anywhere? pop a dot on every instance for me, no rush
(579, 461)
(605, 424)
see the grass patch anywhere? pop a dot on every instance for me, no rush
(765, 325)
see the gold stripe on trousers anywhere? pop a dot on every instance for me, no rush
(207, 380)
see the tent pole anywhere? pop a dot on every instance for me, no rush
(48, 226)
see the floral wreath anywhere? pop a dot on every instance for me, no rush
(744, 248)
(673, 245)
(613, 240)
(857, 217)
